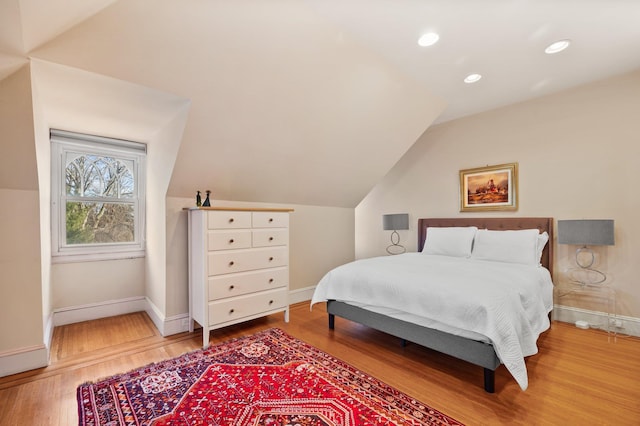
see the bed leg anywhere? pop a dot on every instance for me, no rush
(489, 380)
(332, 321)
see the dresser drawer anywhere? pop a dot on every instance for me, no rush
(270, 220)
(230, 261)
(223, 219)
(239, 307)
(270, 237)
(230, 285)
(228, 239)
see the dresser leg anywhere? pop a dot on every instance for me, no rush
(205, 337)
(286, 315)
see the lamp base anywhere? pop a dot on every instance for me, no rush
(585, 257)
(587, 277)
(396, 249)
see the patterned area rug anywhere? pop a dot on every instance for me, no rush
(269, 379)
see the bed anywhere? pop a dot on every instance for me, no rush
(487, 345)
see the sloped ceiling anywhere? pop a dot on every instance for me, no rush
(26, 24)
(312, 102)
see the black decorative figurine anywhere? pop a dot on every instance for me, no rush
(198, 199)
(206, 200)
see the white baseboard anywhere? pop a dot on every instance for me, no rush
(301, 294)
(180, 323)
(167, 325)
(176, 324)
(48, 331)
(29, 358)
(93, 311)
(154, 313)
(23, 359)
(38, 356)
(630, 325)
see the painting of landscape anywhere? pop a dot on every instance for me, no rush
(488, 188)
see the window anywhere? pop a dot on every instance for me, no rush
(97, 197)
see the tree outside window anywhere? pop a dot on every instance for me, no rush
(99, 207)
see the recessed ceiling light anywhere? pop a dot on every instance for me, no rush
(558, 46)
(472, 78)
(428, 39)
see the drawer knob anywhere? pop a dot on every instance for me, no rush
(231, 311)
(231, 287)
(231, 241)
(231, 263)
(270, 238)
(271, 302)
(270, 280)
(270, 219)
(231, 220)
(271, 258)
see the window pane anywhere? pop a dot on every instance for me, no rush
(99, 223)
(99, 176)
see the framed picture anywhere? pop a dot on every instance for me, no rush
(489, 188)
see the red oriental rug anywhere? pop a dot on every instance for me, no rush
(269, 379)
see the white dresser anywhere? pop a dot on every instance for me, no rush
(238, 266)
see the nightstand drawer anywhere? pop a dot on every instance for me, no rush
(228, 239)
(224, 286)
(239, 307)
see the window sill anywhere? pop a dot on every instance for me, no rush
(96, 257)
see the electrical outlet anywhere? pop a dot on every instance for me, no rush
(616, 323)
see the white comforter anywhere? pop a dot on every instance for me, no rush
(506, 302)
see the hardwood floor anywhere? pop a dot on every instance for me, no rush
(578, 378)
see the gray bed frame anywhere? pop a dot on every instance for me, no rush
(475, 352)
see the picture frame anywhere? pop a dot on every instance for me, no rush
(490, 188)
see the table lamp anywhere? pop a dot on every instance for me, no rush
(584, 233)
(394, 222)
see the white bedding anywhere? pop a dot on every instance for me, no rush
(508, 303)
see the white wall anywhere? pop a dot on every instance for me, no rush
(161, 156)
(85, 283)
(321, 238)
(21, 301)
(578, 156)
(21, 323)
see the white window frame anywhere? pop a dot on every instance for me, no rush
(63, 142)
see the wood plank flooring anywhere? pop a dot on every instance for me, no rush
(578, 378)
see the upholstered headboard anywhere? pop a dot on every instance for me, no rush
(497, 224)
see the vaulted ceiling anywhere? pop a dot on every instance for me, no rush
(313, 101)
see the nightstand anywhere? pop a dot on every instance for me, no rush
(591, 297)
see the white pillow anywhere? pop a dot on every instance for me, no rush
(542, 241)
(449, 241)
(519, 246)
